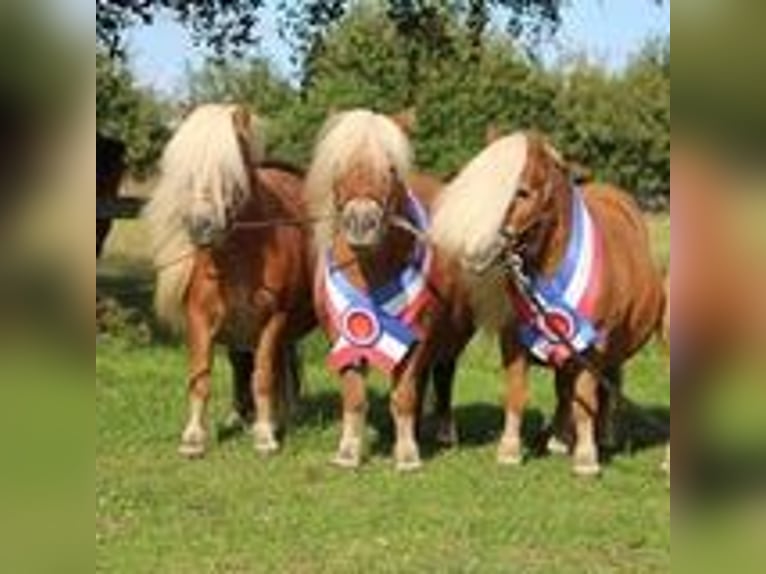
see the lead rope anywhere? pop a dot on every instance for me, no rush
(513, 266)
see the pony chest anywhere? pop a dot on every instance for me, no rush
(375, 327)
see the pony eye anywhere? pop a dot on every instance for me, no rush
(523, 193)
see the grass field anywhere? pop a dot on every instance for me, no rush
(294, 513)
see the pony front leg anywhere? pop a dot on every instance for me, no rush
(404, 409)
(351, 449)
(585, 410)
(509, 452)
(200, 344)
(264, 381)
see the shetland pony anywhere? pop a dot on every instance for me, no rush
(383, 297)
(110, 167)
(233, 261)
(516, 198)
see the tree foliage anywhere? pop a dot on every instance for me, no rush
(616, 124)
(232, 25)
(130, 114)
(223, 25)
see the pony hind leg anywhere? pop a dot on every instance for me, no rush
(242, 413)
(444, 380)
(561, 434)
(612, 434)
(291, 379)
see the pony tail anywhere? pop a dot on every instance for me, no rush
(173, 254)
(204, 154)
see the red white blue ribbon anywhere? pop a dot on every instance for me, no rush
(379, 328)
(569, 297)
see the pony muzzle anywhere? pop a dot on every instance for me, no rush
(203, 230)
(363, 223)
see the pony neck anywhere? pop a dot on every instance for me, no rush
(368, 273)
(556, 238)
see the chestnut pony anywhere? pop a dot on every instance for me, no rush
(358, 187)
(516, 198)
(233, 261)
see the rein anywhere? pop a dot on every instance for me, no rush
(248, 225)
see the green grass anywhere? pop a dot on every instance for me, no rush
(294, 513)
(235, 512)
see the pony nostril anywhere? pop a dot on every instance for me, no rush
(202, 230)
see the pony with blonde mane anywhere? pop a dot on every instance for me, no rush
(358, 188)
(233, 261)
(516, 201)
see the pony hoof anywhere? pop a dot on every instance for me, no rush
(446, 436)
(264, 441)
(192, 450)
(347, 460)
(509, 454)
(587, 469)
(409, 465)
(266, 447)
(408, 459)
(557, 447)
(233, 425)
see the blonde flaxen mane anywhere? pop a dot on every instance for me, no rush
(470, 213)
(347, 140)
(202, 165)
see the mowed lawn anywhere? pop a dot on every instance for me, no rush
(236, 512)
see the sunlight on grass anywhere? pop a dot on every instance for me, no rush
(235, 512)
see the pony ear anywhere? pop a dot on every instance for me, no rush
(406, 120)
(577, 172)
(580, 173)
(492, 134)
(242, 119)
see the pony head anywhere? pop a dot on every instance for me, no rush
(357, 178)
(506, 189)
(206, 170)
(533, 213)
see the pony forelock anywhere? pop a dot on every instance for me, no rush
(203, 161)
(470, 213)
(348, 140)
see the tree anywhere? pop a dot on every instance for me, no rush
(255, 84)
(619, 125)
(130, 114)
(223, 25)
(231, 26)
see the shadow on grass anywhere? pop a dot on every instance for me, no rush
(479, 425)
(643, 428)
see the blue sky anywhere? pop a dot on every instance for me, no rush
(608, 30)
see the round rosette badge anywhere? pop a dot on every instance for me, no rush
(361, 327)
(556, 324)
